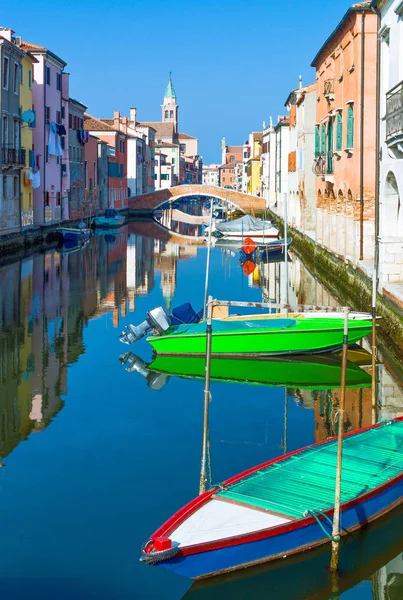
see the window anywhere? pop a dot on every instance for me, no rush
(63, 112)
(317, 140)
(5, 131)
(47, 199)
(166, 114)
(182, 147)
(46, 153)
(173, 160)
(47, 75)
(30, 79)
(47, 114)
(339, 131)
(62, 143)
(156, 163)
(165, 177)
(323, 147)
(58, 117)
(6, 65)
(5, 187)
(21, 74)
(171, 114)
(59, 82)
(232, 158)
(86, 174)
(116, 144)
(121, 146)
(70, 121)
(70, 152)
(350, 126)
(16, 80)
(58, 198)
(16, 133)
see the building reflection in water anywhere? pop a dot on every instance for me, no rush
(47, 300)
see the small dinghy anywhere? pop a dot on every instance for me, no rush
(246, 226)
(284, 506)
(111, 218)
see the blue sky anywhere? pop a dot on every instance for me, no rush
(233, 62)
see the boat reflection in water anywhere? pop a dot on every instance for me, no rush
(311, 372)
(362, 556)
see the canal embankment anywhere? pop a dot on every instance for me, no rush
(351, 286)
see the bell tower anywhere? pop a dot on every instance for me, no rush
(170, 109)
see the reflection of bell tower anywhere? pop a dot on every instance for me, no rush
(170, 110)
(168, 280)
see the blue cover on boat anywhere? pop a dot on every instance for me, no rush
(184, 314)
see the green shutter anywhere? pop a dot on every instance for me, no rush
(350, 126)
(339, 132)
(323, 138)
(317, 140)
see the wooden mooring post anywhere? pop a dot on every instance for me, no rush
(209, 336)
(334, 561)
(374, 382)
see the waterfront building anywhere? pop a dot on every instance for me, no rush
(345, 135)
(301, 104)
(47, 137)
(102, 175)
(78, 138)
(230, 153)
(267, 162)
(164, 171)
(227, 175)
(136, 151)
(65, 159)
(149, 159)
(210, 175)
(251, 152)
(280, 157)
(94, 177)
(117, 157)
(27, 116)
(13, 156)
(391, 145)
(191, 169)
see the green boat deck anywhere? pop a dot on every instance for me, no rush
(306, 481)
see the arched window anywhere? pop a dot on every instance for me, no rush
(171, 114)
(339, 131)
(166, 114)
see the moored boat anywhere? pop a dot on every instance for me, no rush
(246, 226)
(111, 218)
(284, 506)
(74, 234)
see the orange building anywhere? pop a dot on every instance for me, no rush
(345, 135)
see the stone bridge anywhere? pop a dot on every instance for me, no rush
(145, 204)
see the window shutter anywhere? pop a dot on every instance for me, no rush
(323, 149)
(339, 132)
(350, 127)
(317, 140)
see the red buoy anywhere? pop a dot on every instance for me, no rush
(162, 543)
(249, 246)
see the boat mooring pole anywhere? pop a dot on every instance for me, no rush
(336, 516)
(208, 259)
(285, 254)
(209, 335)
(374, 398)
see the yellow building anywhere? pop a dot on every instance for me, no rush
(26, 83)
(253, 165)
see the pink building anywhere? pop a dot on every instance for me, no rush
(48, 135)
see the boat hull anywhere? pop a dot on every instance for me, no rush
(258, 343)
(296, 538)
(109, 223)
(74, 235)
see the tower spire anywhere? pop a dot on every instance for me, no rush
(170, 90)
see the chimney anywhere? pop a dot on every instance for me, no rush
(124, 124)
(133, 115)
(116, 120)
(7, 33)
(300, 81)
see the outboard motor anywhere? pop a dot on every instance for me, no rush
(157, 318)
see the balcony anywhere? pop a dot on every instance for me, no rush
(11, 156)
(394, 115)
(323, 164)
(328, 89)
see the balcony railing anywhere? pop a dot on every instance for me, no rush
(12, 156)
(328, 87)
(323, 164)
(394, 112)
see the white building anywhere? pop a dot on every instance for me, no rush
(268, 165)
(164, 170)
(391, 140)
(281, 142)
(210, 175)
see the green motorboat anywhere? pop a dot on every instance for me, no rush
(257, 336)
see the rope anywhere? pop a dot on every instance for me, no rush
(314, 514)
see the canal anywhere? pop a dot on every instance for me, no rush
(97, 449)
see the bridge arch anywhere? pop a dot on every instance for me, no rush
(147, 203)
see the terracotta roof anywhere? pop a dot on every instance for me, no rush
(27, 46)
(159, 144)
(234, 149)
(93, 124)
(227, 166)
(162, 129)
(186, 136)
(257, 136)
